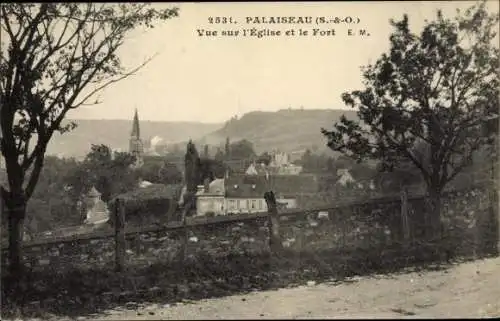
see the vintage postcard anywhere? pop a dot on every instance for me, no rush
(240, 160)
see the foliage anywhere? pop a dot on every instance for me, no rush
(149, 204)
(313, 163)
(241, 150)
(52, 203)
(205, 151)
(170, 174)
(160, 173)
(427, 101)
(219, 156)
(192, 167)
(227, 149)
(211, 169)
(110, 175)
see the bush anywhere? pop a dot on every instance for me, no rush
(150, 204)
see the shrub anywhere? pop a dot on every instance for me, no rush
(149, 204)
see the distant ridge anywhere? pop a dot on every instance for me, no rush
(115, 133)
(287, 129)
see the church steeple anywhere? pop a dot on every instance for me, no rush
(135, 126)
(136, 147)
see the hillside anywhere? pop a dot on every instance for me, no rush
(115, 133)
(288, 130)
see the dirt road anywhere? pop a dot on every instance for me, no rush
(468, 290)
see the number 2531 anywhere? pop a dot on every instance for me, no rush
(220, 20)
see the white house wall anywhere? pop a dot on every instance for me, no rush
(223, 206)
(245, 205)
(290, 202)
(210, 204)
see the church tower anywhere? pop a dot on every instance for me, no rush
(136, 147)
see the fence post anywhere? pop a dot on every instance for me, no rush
(273, 222)
(185, 234)
(119, 235)
(404, 215)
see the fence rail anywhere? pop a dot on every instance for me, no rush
(107, 231)
(350, 224)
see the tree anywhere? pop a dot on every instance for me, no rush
(110, 175)
(219, 156)
(211, 169)
(227, 149)
(192, 168)
(313, 163)
(436, 89)
(55, 57)
(170, 174)
(242, 150)
(205, 152)
(52, 205)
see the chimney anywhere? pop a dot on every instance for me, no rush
(206, 184)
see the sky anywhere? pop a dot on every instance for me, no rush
(211, 79)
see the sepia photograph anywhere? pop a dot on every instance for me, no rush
(249, 160)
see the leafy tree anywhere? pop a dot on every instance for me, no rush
(150, 171)
(55, 57)
(170, 174)
(192, 168)
(219, 156)
(211, 169)
(109, 175)
(51, 205)
(437, 89)
(313, 163)
(242, 150)
(227, 149)
(205, 152)
(152, 204)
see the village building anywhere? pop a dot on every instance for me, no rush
(279, 165)
(245, 193)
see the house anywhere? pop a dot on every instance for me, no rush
(279, 159)
(252, 169)
(210, 197)
(289, 169)
(260, 169)
(245, 193)
(279, 165)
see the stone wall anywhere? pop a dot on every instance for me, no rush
(368, 225)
